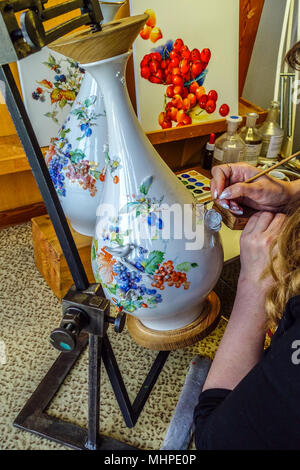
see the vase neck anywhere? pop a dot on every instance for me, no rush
(122, 120)
(110, 73)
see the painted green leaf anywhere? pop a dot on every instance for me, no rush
(90, 101)
(128, 207)
(94, 253)
(62, 103)
(113, 289)
(186, 267)
(95, 242)
(77, 156)
(95, 174)
(145, 185)
(154, 259)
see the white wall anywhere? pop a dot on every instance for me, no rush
(259, 86)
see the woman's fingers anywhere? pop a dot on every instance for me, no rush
(263, 222)
(221, 176)
(251, 223)
(277, 223)
(226, 175)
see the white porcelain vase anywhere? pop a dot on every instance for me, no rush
(150, 266)
(76, 157)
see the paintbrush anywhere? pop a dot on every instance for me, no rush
(264, 172)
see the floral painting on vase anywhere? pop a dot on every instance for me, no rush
(50, 83)
(186, 63)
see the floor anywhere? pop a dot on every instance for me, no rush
(29, 312)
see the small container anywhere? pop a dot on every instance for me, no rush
(230, 147)
(272, 133)
(252, 138)
(209, 152)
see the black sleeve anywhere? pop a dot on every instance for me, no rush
(263, 411)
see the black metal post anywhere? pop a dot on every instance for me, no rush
(40, 171)
(130, 412)
(95, 347)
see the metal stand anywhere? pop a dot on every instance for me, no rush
(33, 416)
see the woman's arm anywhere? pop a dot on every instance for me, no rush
(242, 345)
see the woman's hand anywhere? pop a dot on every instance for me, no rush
(261, 231)
(264, 194)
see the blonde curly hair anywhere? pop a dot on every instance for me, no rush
(285, 252)
(285, 270)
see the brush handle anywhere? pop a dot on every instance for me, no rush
(265, 172)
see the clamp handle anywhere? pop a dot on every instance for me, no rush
(65, 337)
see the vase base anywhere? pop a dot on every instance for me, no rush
(176, 339)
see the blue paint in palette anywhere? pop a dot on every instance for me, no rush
(197, 183)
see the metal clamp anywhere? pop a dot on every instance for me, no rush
(31, 36)
(86, 311)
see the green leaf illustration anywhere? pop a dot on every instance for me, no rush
(145, 185)
(128, 207)
(90, 101)
(155, 258)
(113, 289)
(94, 253)
(77, 156)
(186, 267)
(62, 103)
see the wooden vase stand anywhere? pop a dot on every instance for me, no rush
(176, 339)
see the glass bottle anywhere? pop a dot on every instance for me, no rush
(252, 138)
(209, 152)
(272, 133)
(230, 148)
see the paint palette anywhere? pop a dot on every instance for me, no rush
(198, 184)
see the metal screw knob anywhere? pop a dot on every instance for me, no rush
(118, 322)
(65, 337)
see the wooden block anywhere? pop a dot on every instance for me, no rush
(176, 339)
(49, 257)
(234, 222)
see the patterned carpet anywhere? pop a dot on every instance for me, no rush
(29, 312)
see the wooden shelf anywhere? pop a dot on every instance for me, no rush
(13, 158)
(198, 130)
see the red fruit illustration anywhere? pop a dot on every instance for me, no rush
(213, 95)
(155, 34)
(202, 101)
(210, 106)
(170, 91)
(181, 70)
(178, 44)
(200, 91)
(224, 110)
(193, 99)
(193, 87)
(145, 33)
(145, 72)
(205, 55)
(152, 18)
(197, 68)
(195, 55)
